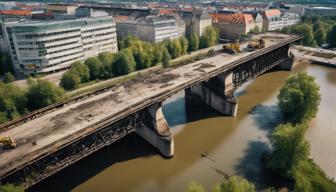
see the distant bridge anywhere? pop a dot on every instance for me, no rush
(69, 131)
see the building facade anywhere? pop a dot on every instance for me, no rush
(196, 21)
(272, 20)
(151, 28)
(232, 26)
(45, 47)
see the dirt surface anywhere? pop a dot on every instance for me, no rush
(315, 54)
(74, 118)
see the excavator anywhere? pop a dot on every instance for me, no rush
(231, 48)
(256, 44)
(7, 143)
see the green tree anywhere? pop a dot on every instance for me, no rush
(235, 184)
(11, 188)
(70, 80)
(193, 42)
(126, 42)
(195, 187)
(96, 68)
(8, 77)
(157, 54)
(209, 38)
(107, 59)
(42, 93)
(166, 58)
(174, 48)
(184, 45)
(12, 102)
(289, 148)
(299, 98)
(81, 70)
(307, 32)
(124, 63)
(320, 36)
(332, 36)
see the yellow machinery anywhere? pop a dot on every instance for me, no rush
(256, 44)
(231, 47)
(7, 143)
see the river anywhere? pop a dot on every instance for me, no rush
(234, 145)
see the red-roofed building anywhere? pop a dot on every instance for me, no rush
(272, 20)
(231, 26)
(16, 12)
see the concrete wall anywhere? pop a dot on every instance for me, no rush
(156, 131)
(217, 93)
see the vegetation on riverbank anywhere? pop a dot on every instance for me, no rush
(315, 30)
(298, 99)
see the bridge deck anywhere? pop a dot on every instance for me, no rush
(61, 126)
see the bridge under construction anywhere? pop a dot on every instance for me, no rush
(57, 136)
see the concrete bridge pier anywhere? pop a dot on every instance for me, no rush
(155, 131)
(217, 92)
(286, 65)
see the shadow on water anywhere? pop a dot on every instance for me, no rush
(128, 148)
(266, 117)
(251, 167)
(178, 112)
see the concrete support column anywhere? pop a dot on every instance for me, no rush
(217, 93)
(155, 131)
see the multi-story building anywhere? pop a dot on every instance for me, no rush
(272, 20)
(321, 11)
(62, 9)
(39, 47)
(151, 28)
(232, 26)
(289, 19)
(196, 21)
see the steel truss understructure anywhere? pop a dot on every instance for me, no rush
(53, 162)
(255, 67)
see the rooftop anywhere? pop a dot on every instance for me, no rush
(16, 12)
(236, 18)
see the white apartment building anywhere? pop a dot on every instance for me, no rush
(289, 19)
(49, 46)
(273, 19)
(151, 28)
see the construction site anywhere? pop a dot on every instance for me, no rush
(45, 132)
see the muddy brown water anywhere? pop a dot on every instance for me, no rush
(207, 146)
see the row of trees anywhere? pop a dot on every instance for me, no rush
(298, 99)
(316, 31)
(15, 102)
(134, 55)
